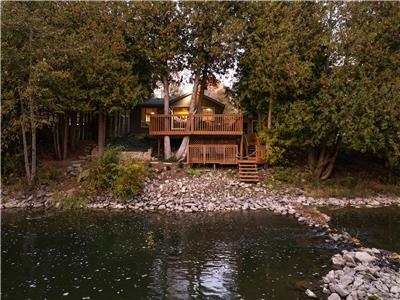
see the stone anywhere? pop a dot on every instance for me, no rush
(364, 257)
(334, 296)
(338, 260)
(338, 288)
(311, 294)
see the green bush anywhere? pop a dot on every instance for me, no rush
(285, 175)
(73, 201)
(193, 172)
(101, 173)
(129, 180)
(107, 174)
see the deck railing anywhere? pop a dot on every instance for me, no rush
(219, 154)
(217, 124)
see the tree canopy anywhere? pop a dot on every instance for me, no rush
(322, 77)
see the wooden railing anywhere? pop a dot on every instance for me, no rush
(218, 154)
(218, 124)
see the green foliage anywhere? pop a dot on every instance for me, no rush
(107, 174)
(72, 201)
(276, 146)
(285, 175)
(343, 186)
(193, 172)
(103, 172)
(130, 179)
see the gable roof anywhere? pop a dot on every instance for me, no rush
(160, 101)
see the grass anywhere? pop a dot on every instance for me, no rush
(339, 186)
(193, 172)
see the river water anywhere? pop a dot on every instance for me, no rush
(126, 255)
(375, 227)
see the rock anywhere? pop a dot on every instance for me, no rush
(211, 206)
(364, 257)
(334, 296)
(337, 260)
(338, 288)
(349, 258)
(311, 294)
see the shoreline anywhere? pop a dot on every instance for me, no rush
(216, 191)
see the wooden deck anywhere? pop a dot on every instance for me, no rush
(193, 124)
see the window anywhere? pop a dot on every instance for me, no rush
(207, 110)
(146, 112)
(180, 111)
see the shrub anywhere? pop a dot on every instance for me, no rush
(102, 172)
(129, 180)
(193, 172)
(73, 201)
(285, 175)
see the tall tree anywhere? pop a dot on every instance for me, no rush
(212, 31)
(159, 26)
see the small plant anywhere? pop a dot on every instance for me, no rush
(129, 180)
(193, 172)
(285, 175)
(73, 201)
(180, 164)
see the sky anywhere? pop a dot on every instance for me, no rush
(187, 86)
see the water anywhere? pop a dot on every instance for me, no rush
(375, 227)
(125, 255)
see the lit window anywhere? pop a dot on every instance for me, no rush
(207, 110)
(146, 112)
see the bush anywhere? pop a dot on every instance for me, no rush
(285, 175)
(73, 201)
(107, 174)
(193, 172)
(101, 173)
(129, 180)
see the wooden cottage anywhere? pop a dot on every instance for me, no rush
(215, 137)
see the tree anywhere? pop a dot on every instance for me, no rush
(276, 65)
(109, 77)
(159, 26)
(212, 32)
(24, 40)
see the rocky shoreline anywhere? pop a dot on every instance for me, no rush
(219, 191)
(363, 273)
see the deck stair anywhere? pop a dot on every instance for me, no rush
(248, 171)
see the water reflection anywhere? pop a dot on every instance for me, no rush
(110, 255)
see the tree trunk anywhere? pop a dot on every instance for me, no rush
(25, 146)
(101, 133)
(65, 135)
(182, 151)
(322, 162)
(269, 121)
(203, 86)
(167, 141)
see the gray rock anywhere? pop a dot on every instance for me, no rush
(334, 296)
(337, 260)
(364, 257)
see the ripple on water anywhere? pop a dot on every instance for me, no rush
(114, 255)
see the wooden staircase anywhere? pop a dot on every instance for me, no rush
(248, 171)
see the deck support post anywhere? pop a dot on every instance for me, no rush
(158, 148)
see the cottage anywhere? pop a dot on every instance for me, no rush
(215, 137)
